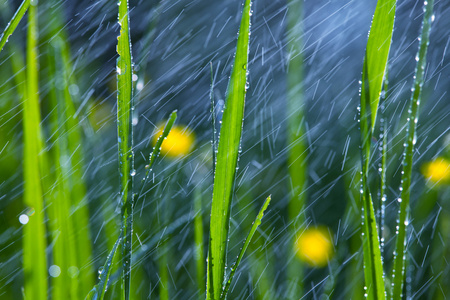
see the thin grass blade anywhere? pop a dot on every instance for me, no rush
(383, 165)
(297, 154)
(34, 241)
(157, 148)
(13, 23)
(59, 212)
(199, 243)
(125, 140)
(156, 151)
(227, 156)
(375, 63)
(256, 223)
(403, 221)
(260, 260)
(73, 135)
(98, 292)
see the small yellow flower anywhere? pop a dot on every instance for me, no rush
(314, 246)
(437, 171)
(178, 143)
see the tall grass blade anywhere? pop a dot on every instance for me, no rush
(125, 140)
(76, 182)
(98, 292)
(297, 162)
(199, 244)
(60, 221)
(403, 221)
(256, 223)
(13, 23)
(34, 232)
(227, 156)
(375, 62)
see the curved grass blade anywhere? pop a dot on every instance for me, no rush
(98, 292)
(400, 245)
(375, 62)
(297, 154)
(125, 140)
(259, 261)
(13, 23)
(164, 275)
(157, 148)
(228, 149)
(256, 223)
(152, 158)
(34, 241)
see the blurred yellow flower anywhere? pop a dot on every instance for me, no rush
(437, 171)
(314, 246)
(178, 143)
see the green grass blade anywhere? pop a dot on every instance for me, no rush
(297, 162)
(163, 271)
(73, 134)
(13, 23)
(156, 151)
(375, 63)
(98, 292)
(256, 223)
(259, 261)
(400, 245)
(68, 143)
(375, 60)
(157, 148)
(199, 244)
(373, 267)
(228, 149)
(34, 241)
(125, 140)
(59, 213)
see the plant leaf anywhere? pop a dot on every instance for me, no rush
(400, 245)
(228, 150)
(34, 241)
(13, 23)
(125, 140)
(375, 60)
(98, 292)
(255, 225)
(374, 68)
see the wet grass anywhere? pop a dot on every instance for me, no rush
(12, 25)
(34, 235)
(403, 221)
(225, 169)
(374, 69)
(60, 248)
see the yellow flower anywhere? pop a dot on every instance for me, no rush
(178, 143)
(437, 171)
(314, 246)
